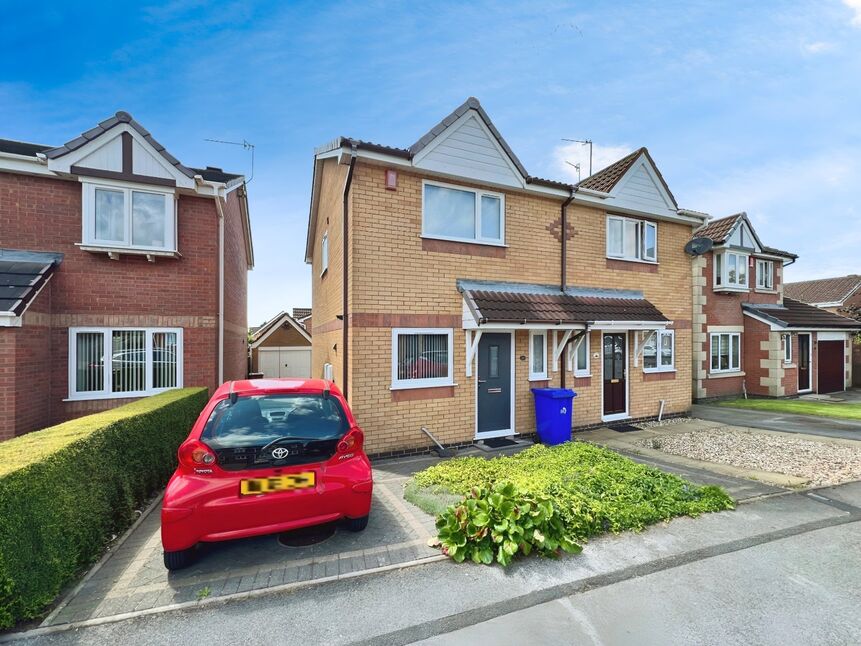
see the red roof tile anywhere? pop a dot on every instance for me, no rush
(825, 290)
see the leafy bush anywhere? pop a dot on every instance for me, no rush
(66, 490)
(593, 489)
(500, 523)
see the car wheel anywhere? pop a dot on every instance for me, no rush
(179, 559)
(357, 524)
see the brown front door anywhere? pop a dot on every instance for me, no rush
(830, 366)
(804, 362)
(615, 391)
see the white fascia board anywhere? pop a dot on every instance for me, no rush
(606, 203)
(23, 164)
(832, 304)
(9, 319)
(510, 327)
(64, 163)
(630, 325)
(316, 180)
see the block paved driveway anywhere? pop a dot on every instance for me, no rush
(133, 577)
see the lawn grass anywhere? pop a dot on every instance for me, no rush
(797, 406)
(594, 489)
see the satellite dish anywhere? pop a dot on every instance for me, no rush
(699, 246)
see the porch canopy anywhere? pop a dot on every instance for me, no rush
(22, 276)
(795, 315)
(489, 305)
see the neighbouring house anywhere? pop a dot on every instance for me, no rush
(841, 295)
(748, 335)
(122, 274)
(448, 282)
(303, 317)
(281, 347)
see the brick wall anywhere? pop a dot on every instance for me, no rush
(235, 290)
(44, 214)
(400, 280)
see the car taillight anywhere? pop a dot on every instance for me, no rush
(195, 453)
(352, 441)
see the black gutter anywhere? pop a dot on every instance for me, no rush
(345, 239)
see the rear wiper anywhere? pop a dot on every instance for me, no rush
(292, 437)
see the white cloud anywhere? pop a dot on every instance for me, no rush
(819, 47)
(855, 6)
(575, 153)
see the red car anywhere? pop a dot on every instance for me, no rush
(266, 456)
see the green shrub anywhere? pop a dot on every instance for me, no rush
(500, 523)
(66, 490)
(594, 489)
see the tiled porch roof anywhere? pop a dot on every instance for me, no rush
(22, 274)
(795, 314)
(519, 303)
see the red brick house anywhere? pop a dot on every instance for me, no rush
(123, 273)
(748, 336)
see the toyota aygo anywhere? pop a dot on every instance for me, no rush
(266, 456)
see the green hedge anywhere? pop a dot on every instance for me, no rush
(66, 490)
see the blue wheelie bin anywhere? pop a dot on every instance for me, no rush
(553, 413)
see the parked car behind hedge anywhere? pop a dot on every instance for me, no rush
(65, 490)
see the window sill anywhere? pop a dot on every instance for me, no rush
(116, 252)
(444, 384)
(539, 378)
(724, 375)
(732, 290)
(657, 371)
(759, 290)
(642, 262)
(789, 365)
(83, 397)
(582, 375)
(483, 243)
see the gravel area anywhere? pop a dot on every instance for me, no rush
(664, 422)
(823, 463)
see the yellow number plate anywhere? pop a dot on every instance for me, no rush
(256, 486)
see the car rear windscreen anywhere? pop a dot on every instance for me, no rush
(244, 433)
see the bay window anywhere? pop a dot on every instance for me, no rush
(118, 216)
(730, 270)
(123, 362)
(537, 355)
(659, 352)
(764, 274)
(462, 214)
(630, 239)
(422, 357)
(726, 352)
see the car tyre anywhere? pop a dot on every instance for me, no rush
(357, 524)
(179, 559)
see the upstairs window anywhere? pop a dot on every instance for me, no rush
(764, 274)
(629, 239)
(115, 216)
(731, 270)
(462, 214)
(659, 352)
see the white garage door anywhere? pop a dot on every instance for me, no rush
(285, 362)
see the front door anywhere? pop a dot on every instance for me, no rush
(803, 362)
(615, 390)
(494, 383)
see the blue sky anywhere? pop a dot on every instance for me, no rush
(744, 106)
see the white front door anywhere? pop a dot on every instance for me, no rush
(285, 362)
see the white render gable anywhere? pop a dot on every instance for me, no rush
(467, 149)
(640, 189)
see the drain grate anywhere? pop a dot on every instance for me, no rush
(307, 536)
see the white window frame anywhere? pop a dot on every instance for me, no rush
(88, 219)
(787, 347)
(729, 336)
(764, 270)
(107, 332)
(572, 357)
(642, 225)
(724, 273)
(478, 193)
(538, 376)
(435, 382)
(659, 368)
(324, 253)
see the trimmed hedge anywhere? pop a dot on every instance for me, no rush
(66, 490)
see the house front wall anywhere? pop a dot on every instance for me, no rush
(91, 290)
(401, 280)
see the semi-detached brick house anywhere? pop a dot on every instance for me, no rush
(447, 282)
(748, 336)
(122, 273)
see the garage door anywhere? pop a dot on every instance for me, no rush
(285, 362)
(831, 366)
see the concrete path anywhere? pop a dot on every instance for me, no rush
(725, 571)
(807, 424)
